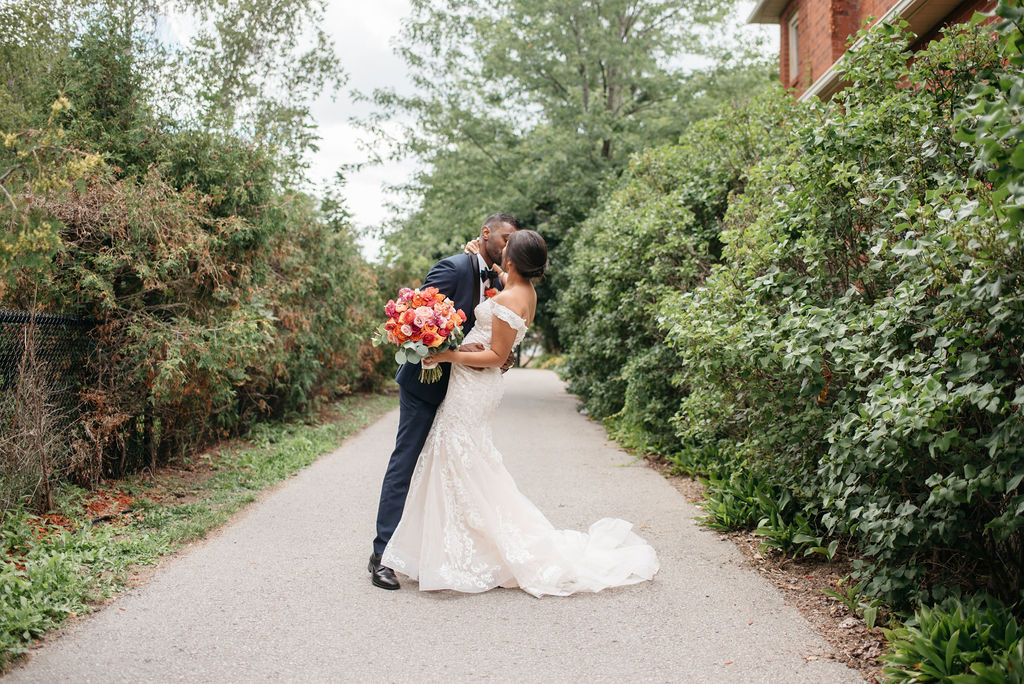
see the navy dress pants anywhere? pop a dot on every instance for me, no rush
(415, 416)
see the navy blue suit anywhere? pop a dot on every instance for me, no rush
(457, 277)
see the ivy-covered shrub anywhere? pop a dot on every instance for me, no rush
(851, 365)
(860, 346)
(657, 234)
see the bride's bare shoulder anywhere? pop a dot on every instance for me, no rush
(517, 300)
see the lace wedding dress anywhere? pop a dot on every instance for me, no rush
(467, 527)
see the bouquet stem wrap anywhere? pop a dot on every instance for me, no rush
(429, 375)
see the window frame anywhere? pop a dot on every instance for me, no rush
(793, 24)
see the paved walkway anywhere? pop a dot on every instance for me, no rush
(282, 593)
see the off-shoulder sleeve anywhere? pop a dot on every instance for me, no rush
(514, 320)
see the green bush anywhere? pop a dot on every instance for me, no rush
(658, 234)
(860, 337)
(223, 294)
(854, 351)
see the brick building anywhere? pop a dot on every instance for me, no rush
(814, 33)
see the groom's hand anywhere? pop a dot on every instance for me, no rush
(509, 362)
(472, 347)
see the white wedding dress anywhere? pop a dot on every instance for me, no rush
(467, 527)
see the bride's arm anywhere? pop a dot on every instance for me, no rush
(502, 339)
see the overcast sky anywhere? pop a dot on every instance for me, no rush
(363, 33)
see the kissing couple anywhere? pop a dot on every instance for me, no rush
(450, 514)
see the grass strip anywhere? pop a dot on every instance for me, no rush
(62, 564)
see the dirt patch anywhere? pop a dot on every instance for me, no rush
(801, 581)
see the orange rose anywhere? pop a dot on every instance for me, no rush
(431, 339)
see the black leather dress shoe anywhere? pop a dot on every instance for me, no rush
(381, 576)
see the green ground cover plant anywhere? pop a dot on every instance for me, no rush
(62, 564)
(973, 640)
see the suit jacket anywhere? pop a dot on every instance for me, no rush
(458, 278)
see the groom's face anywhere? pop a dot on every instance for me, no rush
(494, 239)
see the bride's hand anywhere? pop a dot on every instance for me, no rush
(434, 359)
(473, 247)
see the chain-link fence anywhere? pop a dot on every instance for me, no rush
(61, 348)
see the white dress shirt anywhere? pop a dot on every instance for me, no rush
(483, 284)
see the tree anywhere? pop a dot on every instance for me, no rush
(534, 107)
(253, 67)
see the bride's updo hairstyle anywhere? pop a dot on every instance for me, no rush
(528, 251)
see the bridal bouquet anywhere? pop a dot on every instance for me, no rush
(420, 323)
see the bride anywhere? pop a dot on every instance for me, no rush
(466, 526)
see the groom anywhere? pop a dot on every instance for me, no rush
(463, 278)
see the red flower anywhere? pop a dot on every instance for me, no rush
(490, 292)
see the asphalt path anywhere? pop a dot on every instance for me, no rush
(282, 593)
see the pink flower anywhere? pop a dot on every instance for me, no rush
(390, 310)
(407, 330)
(424, 316)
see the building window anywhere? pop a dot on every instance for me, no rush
(794, 59)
